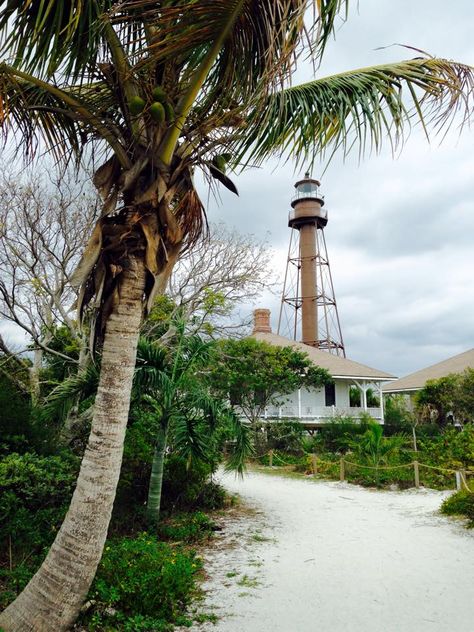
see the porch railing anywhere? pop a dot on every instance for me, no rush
(291, 411)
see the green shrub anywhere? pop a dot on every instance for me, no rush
(141, 582)
(337, 435)
(212, 496)
(34, 496)
(183, 483)
(453, 449)
(16, 431)
(189, 528)
(285, 435)
(460, 504)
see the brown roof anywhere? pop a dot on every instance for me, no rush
(337, 366)
(415, 381)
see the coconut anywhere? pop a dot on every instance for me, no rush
(157, 112)
(219, 162)
(159, 94)
(136, 105)
(169, 112)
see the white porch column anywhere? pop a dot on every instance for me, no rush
(363, 389)
(364, 395)
(382, 410)
(299, 403)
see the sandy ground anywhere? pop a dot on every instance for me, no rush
(329, 557)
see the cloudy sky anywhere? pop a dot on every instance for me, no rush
(401, 231)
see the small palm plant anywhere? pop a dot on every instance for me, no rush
(375, 450)
(189, 415)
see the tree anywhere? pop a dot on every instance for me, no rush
(161, 88)
(224, 270)
(449, 398)
(355, 397)
(188, 414)
(255, 374)
(397, 415)
(43, 228)
(170, 380)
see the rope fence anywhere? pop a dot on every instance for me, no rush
(460, 476)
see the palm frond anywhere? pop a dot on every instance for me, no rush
(151, 353)
(64, 118)
(360, 107)
(62, 398)
(190, 440)
(242, 447)
(45, 35)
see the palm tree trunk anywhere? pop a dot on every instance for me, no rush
(35, 375)
(53, 597)
(415, 446)
(156, 478)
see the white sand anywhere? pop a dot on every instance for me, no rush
(331, 557)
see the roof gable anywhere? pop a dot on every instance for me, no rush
(417, 380)
(335, 365)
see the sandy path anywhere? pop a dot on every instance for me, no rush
(331, 557)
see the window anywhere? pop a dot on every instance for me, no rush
(235, 397)
(330, 394)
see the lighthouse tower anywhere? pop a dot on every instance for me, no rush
(308, 305)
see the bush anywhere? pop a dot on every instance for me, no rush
(460, 504)
(16, 432)
(284, 435)
(141, 584)
(189, 528)
(183, 483)
(453, 449)
(34, 496)
(337, 435)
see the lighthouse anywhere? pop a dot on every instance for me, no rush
(308, 306)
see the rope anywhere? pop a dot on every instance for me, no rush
(371, 467)
(441, 469)
(276, 456)
(379, 467)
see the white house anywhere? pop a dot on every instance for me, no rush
(412, 383)
(314, 407)
(417, 380)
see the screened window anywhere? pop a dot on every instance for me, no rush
(330, 394)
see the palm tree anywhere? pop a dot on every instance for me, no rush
(188, 414)
(160, 88)
(375, 449)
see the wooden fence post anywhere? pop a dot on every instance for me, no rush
(270, 458)
(314, 463)
(457, 474)
(417, 473)
(341, 470)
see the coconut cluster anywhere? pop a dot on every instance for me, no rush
(160, 109)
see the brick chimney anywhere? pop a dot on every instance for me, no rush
(261, 321)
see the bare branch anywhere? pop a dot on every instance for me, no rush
(221, 273)
(43, 226)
